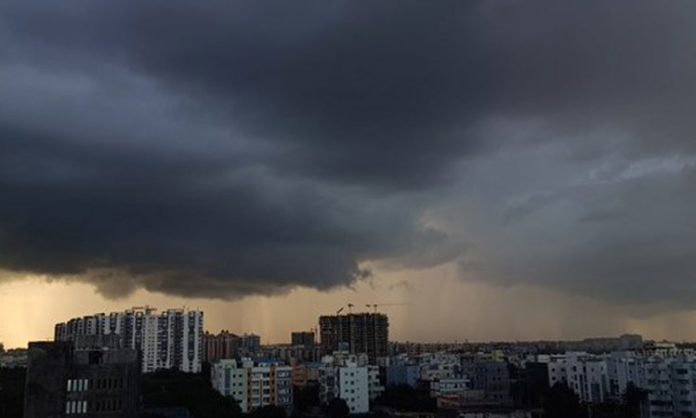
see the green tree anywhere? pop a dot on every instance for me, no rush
(305, 398)
(12, 392)
(634, 398)
(169, 388)
(406, 398)
(269, 411)
(561, 402)
(337, 408)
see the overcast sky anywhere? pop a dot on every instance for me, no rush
(318, 151)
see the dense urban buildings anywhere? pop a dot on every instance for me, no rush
(171, 339)
(303, 338)
(224, 345)
(665, 372)
(291, 354)
(14, 358)
(93, 367)
(253, 384)
(63, 380)
(357, 333)
(346, 379)
(249, 344)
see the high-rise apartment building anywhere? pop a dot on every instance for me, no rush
(357, 333)
(224, 345)
(250, 345)
(253, 385)
(172, 339)
(63, 380)
(304, 338)
(348, 382)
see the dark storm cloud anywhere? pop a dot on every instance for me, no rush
(231, 148)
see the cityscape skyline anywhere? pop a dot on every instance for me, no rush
(506, 176)
(336, 209)
(278, 322)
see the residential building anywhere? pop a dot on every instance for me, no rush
(624, 368)
(586, 374)
(490, 376)
(290, 354)
(449, 387)
(357, 333)
(253, 384)
(403, 374)
(303, 338)
(438, 366)
(172, 339)
(13, 358)
(671, 385)
(65, 381)
(374, 383)
(250, 345)
(224, 345)
(304, 374)
(348, 382)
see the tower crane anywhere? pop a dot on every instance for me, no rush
(375, 305)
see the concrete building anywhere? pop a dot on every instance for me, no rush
(351, 378)
(348, 382)
(624, 368)
(290, 354)
(671, 385)
(586, 374)
(449, 387)
(14, 358)
(64, 381)
(375, 388)
(438, 366)
(172, 339)
(403, 374)
(253, 385)
(250, 345)
(358, 333)
(304, 374)
(224, 345)
(303, 338)
(668, 376)
(492, 377)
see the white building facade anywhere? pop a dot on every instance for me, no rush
(171, 339)
(584, 373)
(666, 374)
(253, 385)
(348, 377)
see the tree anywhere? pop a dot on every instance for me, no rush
(406, 398)
(337, 408)
(168, 388)
(634, 398)
(561, 402)
(269, 411)
(306, 397)
(12, 392)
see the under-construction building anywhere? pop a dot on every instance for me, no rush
(357, 333)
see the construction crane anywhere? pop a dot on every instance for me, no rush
(375, 305)
(338, 312)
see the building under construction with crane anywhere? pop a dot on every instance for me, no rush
(355, 332)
